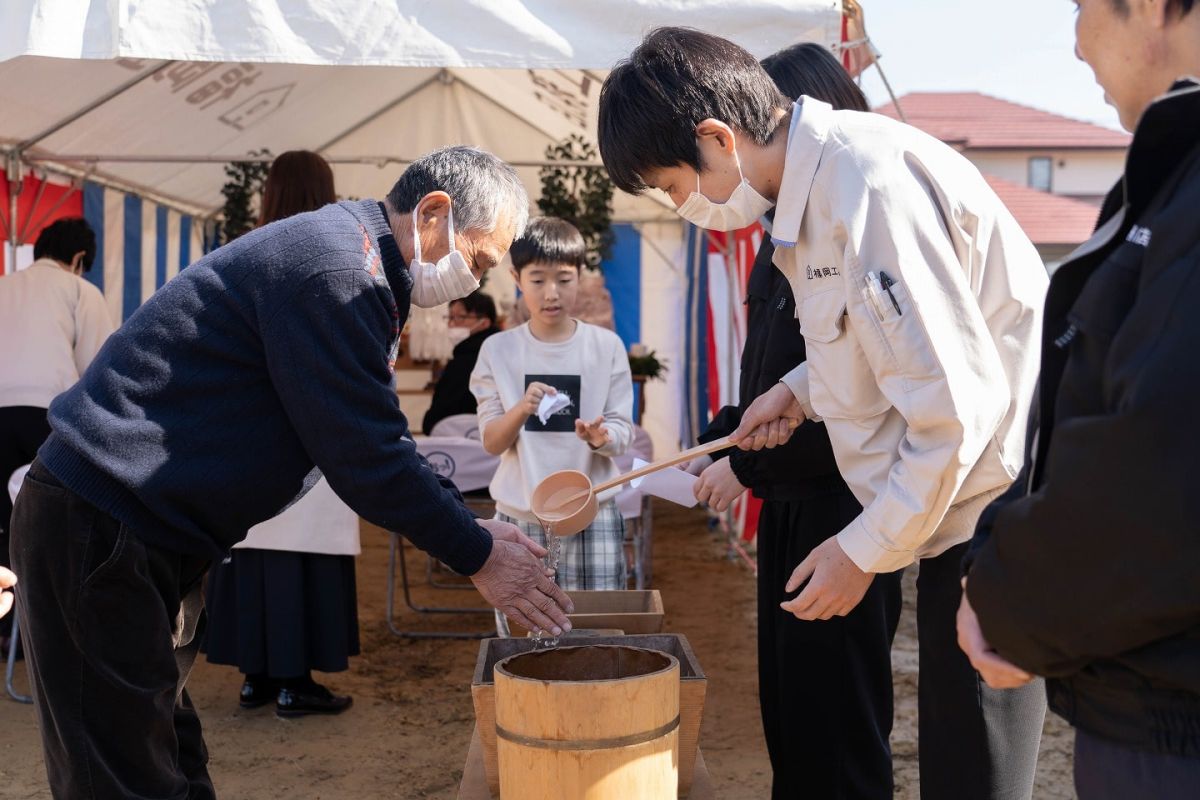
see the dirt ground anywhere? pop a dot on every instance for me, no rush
(407, 734)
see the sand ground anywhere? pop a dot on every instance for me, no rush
(407, 734)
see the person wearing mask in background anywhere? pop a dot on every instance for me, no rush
(217, 404)
(52, 323)
(1087, 571)
(284, 602)
(472, 321)
(920, 305)
(834, 674)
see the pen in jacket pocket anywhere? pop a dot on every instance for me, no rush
(887, 283)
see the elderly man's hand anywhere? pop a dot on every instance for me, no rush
(7, 581)
(515, 581)
(995, 671)
(770, 419)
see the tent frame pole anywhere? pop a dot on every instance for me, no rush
(12, 171)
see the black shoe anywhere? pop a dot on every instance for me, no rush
(257, 691)
(298, 701)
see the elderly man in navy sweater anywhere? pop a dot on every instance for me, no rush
(220, 401)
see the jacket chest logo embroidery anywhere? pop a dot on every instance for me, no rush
(815, 273)
(1139, 236)
(1063, 341)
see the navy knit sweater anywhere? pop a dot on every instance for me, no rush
(216, 403)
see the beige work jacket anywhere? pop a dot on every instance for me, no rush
(920, 302)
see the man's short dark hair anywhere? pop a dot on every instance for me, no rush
(549, 240)
(810, 69)
(62, 239)
(478, 304)
(675, 79)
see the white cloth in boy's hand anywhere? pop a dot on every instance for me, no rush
(551, 404)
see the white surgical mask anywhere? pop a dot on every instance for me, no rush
(449, 279)
(458, 335)
(742, 208)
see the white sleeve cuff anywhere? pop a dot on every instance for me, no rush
(867, 553)
(797, 381)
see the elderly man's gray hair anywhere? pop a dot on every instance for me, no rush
(481, 186)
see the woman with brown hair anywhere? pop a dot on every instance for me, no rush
(284, 603)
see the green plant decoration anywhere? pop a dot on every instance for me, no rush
(647, 366)
(580, 195)
(242, 192)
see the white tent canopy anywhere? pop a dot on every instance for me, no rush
(540, 34)
(190, 85)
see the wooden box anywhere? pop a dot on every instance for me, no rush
(692, 688)
(634, 611)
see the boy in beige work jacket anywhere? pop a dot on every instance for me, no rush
(919, 299)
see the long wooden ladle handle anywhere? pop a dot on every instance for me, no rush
(687, 455)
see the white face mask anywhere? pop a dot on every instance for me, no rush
(449, 279)
(458, 335)
(742, 208)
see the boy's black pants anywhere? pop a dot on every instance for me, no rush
(825, 686)
(111, 627)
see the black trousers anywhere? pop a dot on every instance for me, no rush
(976, 743)
(1106, 770)
(111, 627)
(22, 431)
(825, 687)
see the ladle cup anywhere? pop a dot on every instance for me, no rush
(565, 502)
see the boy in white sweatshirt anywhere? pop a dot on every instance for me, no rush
(554, 354)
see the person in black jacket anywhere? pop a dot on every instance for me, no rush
(472, 321)
(825, 687)
(1088, 570)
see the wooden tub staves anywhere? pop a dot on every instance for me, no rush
(692, 691)
(593, 722)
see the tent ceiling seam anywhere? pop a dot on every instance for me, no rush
(75, 116)
(380, 112)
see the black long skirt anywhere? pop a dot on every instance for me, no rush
(282, 613)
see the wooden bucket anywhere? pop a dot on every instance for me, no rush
(597, 722)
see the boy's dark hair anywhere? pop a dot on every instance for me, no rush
(479, 304)
(549, 240)
(810, 69)
(675, 79)
(1174, 7)
(62, 239)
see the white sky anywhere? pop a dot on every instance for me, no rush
(1020, 50)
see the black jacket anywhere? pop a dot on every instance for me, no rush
(452, 395)
(1088, 570)
(804, 466)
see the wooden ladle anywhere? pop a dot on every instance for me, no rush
(565, 502)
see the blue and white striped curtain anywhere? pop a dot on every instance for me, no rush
(140, 245)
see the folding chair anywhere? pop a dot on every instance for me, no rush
(468, 465)
(14, 486)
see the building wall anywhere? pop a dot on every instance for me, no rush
(1086, 174)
